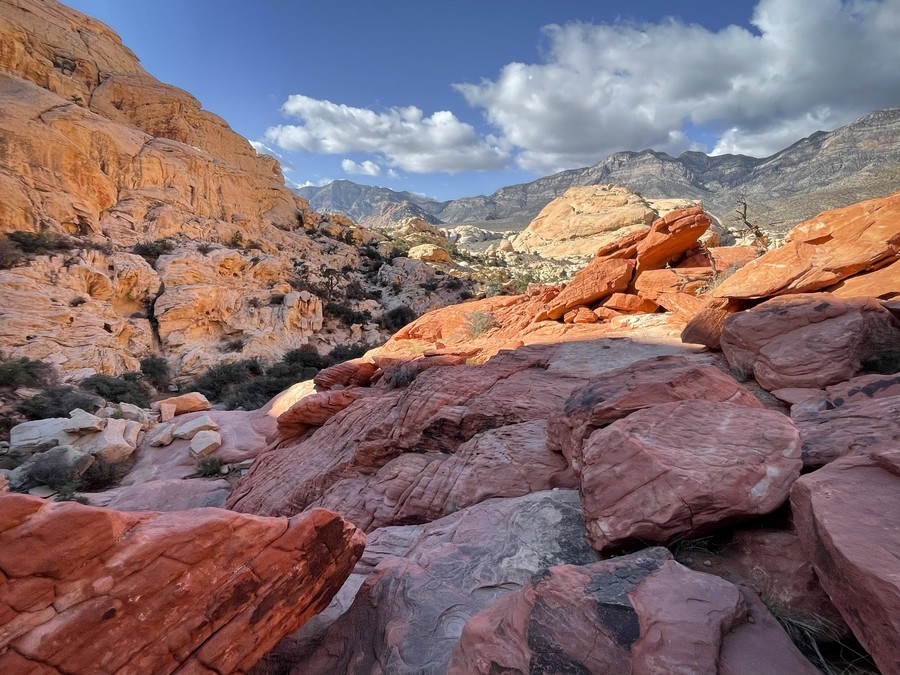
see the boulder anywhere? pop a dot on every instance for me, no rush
(706, 324)
(511, 461)
(316, 409)
(863, 388)
(580, 315)
(114, 444)
(191, 402)
(601, 278)
(62, 465)
(82, 422)
(353, 372)
(96, 590)
(683, 469)
(163, 495)
(639, 613)
(161, 435)
(410, 612)
(651, 284)
(430, 253)
(620, 392)
(882, 283)
(822, 251)
(629, 303)
(205, 443)
(857, 428)
(29, 437)
(809, 340)
(189, 429)
(670, 237)
(844, 515)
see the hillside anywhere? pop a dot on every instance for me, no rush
(825, 170)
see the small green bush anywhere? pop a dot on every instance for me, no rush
(25, 372)
(57, 402)
(346, 315)
(304, 357)
(155, 370)
(343, 353)
(39, 242)
(151, 251)
(209, 466)
(479, 323)
(123, 389)
(218, 381)
(398, 317)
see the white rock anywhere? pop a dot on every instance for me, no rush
(189, 429)
(44, 491)
(83, 422)
(30, 437)
(115, 443)
(136, 414)
(205, 442)
(161, 435)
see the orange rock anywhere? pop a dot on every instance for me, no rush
(669, 237)
(605, 313)
(822, 251)
(628, 303)
(580, 315)
(315, 410)
(882, 283)
(724, 257)
(353, 372)
(706, 326)
(683, 305)
(95, 590)
(651, 283)
(602, 277)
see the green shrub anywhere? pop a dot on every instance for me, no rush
(218, 381)
(209, 466)
(125, 389)
(479, 323)
(151, 251)
(204, 248)
(346, 315)
(304, 357)
(343, 353)
(57, 402)
(398, 317)
(39, 242)
(25, 372)
(155, 370)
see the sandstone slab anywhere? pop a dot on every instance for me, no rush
(192, 427)
(683, 469)
(205, 443)
(601, 278)
(163, 495)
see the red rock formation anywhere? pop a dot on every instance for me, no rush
(86, 589)
(670, 237)
(683, 469)
(808, 340)
(601, 278)
(845, 517)
(640, 613)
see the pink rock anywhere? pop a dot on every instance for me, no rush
(315, 410)
(353, 372)
(164, 495)
(409, 613)
(810, 340)
(683, 469)
(881, 283)
(845, 517)
(640, 613)
(630, 303)
(94, 590)
(580, 315)
(863, 388)
(618, 393)
(511, 461)
(862, 427)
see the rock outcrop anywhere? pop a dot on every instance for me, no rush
(93, 590)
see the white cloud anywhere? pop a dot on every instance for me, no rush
(319, 182)
(364, 168)
(405, 137)
(813, 64)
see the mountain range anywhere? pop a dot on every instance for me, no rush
(822, 171)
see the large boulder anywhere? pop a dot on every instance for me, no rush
(163, 495)
(95, 590)
(845, 518)
(620, 392)
(640, 613)
(600, 279)
(410, 612)
(822, 251)
(809, 340)
(683, 469)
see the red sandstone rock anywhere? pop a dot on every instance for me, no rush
(418, 488)
(580, 315)
(683, 305)
(602, 277)
(682, 469)
(618, 393)
(605, 313)
(164, 495)
(92, 590)
(409, 613)
(845, 515)
(862, 427)
(630, 303)
(863, 388)
(669, 237)
(640, 613)
(707, 324)
(882, 283)
(822, 251)
(357, 372)
(313, 411)
(653, 283)
(727, 258)
(809, 340)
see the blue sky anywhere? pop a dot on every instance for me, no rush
(460, 98)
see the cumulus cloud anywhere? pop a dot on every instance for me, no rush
(810, 64)
(364, 168)
(405, 137)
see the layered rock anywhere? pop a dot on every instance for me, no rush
(89, 589)
(843, 516)
(638, 613)
(683, 469)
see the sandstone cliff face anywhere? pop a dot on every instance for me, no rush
(95, 149)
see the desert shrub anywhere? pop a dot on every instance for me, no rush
(402, 377)
(77, 301)
(370, 252)
(465, 295)
(233, 345)
(204, 248)
(355, 291)
(69, 493)
(209, 466)
(276, 299)
(123, 389)
(304, 357)
(155, 370)
(453, 284)
(25, 372)
(237, 240)
(255, 302)
(39, 242)
(431, 285)
(103, 474)
(343, 353)
(152, 250)
(479, 323)
(346, 315)
(58, 402)
(219, 380)
(398, 317)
